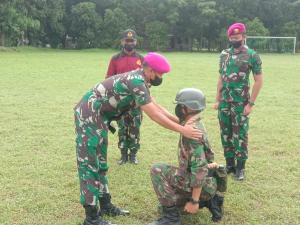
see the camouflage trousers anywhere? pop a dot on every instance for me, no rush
(234, 129)
(129, 130)
(91, 151)
(172, 185)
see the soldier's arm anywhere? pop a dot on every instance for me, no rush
(219, 83)
(218, 95)
(258, 78)
(192, 206)
(219, 88)
(166, 112)
(258, 82)
(156, 115)
(198, 163)
(198, 172)
(209, 153)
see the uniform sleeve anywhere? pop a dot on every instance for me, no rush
(140, 91)
(209, 153)
(220, 63)
(111, 69)
(198, 164)
(256, 64)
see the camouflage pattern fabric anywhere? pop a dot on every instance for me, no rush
(235, 68)
(173, 185)
(130, 122)
(234, 130)
(129, 130)
(102, 104)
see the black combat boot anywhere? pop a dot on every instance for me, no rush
(107, 208)
(133, 158)
(124, 157)
(215, 206)
(170, 216)
(92, 217)
(230, 165)
(203, 204)
(240, 170)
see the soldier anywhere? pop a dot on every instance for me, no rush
(233, 100)
(198, 181)
(129, 124)
(105, 102)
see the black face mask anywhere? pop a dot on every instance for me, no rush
(129, 47)
(236, 44)
(156, 82)
(179, 112)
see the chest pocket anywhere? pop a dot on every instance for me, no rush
(242, 62)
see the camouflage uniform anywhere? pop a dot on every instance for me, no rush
(234, 70)
(173, 185)
(93, 114)
(129, 130)
(129, 124)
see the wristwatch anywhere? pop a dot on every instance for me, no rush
(251, 103)
(193, 201)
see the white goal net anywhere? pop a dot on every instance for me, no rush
(272, 44)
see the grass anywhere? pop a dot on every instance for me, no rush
(38, 175)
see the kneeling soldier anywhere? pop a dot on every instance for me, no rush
(198, 181)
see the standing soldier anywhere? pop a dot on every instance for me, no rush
(105, 102)
(233, 100)
(129, 124)
(198, 181)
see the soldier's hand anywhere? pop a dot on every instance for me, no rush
(192, 133)
(247, 109)
(191, 208)
(212, 165)
(216, 105)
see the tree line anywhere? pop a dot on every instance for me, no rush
(160, 24)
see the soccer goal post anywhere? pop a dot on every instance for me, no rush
(272, 44)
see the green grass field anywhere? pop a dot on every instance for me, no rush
(38, 175)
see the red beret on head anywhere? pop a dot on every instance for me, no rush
(157, 62)
(236, 28)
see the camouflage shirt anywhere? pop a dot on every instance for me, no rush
(114, 96)
(193, 157)
(234, 70)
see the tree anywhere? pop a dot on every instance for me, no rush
(85, 24)
(14, 20)
(52, 23)
(115, 21)
(157, 35)
(256, 28)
